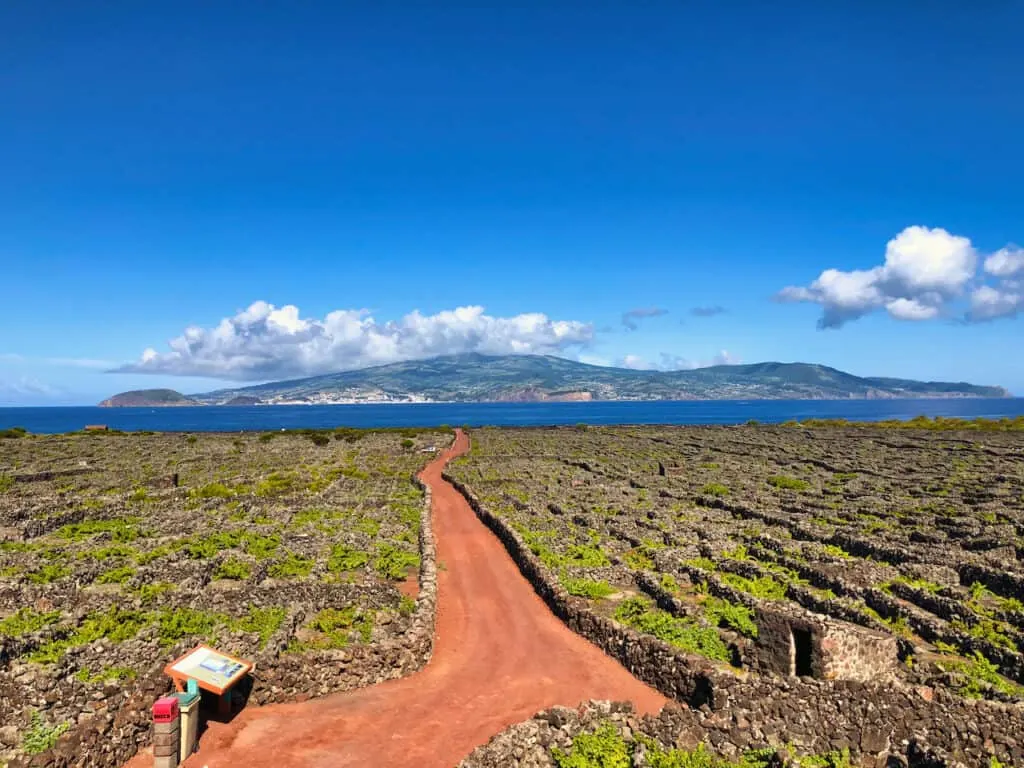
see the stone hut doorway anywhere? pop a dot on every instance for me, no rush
(801, 653)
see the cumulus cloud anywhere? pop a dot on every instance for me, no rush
(630, 319)
(925, 274)
(709, 311)
(988, 303)
(1006, 262)
(267, 342)
(668, 362)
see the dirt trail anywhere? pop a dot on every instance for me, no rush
(499, 656)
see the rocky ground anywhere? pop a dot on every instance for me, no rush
(692, 535)
(118, 552)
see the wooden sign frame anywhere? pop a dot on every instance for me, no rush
(179, 677)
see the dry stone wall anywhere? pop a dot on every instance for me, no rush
(529, 744)
(733, 713)
(118, 724)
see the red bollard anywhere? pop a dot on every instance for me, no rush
(166, 732)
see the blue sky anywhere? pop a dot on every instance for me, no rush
(166, 166)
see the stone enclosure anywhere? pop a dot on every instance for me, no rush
(828, 590)
(310, 554)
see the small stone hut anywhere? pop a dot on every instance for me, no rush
(797, 642)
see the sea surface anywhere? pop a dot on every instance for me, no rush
(260, 418)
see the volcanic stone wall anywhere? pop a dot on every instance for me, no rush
(732, 713)
(120, 724)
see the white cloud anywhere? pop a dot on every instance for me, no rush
(925, 272)
(911, 309)
(920, 259)
(988, 303)
(667, 362)
(267, 342)
(1006, 262)
(635, 362)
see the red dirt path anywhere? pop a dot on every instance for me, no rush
(500, 656)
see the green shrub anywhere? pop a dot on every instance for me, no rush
(336, 625)
(588, 588)
(233, 568)
(368, 525)
(407, 443)
(406, 605)
(586, 556)
(977, 674)
(344, 558)
(276, 483)
(294, 566)
(25, 621)
(264, 621)
(115, 625)
(604, 748)
(393, 563)
(40, 736)
(715, 489)
(211, 491)
(48, 573)
(147, 593)
(6, 483)
(722, 613)
(260, 546)
(788, 483)
(116, 575)
(179, 623)
(204, 547)
(13, 433)
(122, 530)
(641, 615)
(763, 587)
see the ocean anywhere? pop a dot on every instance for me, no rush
(262, 418)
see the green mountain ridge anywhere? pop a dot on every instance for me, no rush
(532, 378)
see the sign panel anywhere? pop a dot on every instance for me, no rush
(212, 670)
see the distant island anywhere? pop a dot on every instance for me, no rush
(140, 398)
(543, 378)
